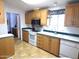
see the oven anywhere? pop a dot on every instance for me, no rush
(33, 38)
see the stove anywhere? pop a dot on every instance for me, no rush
(33, 38)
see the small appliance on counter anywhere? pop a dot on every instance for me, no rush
(36, 25)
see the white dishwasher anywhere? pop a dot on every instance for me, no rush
(33, 38)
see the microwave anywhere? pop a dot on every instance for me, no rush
(35, 22)
(36, 26)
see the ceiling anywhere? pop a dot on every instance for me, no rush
(23, 6)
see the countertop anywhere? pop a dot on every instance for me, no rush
(6, 35)
(61, 36)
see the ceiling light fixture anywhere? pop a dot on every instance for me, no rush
(55, 4)
(33, 2)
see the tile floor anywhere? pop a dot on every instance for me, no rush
(24, 50)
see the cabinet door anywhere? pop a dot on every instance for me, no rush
(76, 15)
(46, 43)
(38, 14)
(40, 41)
(7, 46)
(1, 12)
(54, 46)
(27, 18)
(69, 15)
(25, 36)
(33, 15)
(44, 14)
(43, 42)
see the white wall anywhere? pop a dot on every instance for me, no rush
(62, 28)
(17, 11)
(3, 27)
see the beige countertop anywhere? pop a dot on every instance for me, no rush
(61, 36)
(6, 35)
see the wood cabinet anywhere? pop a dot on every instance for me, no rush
(42, 14)
(54, 46)
(28, 18)
(50, 44)
(7, 47)
(26, 36)
(72, 15)
(43, 42)
(37, 13)
(2, 11)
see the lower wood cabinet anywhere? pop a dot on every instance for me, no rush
(43, 42)
(50, 44)
(55, 46)
(25, 36)
(7, 47)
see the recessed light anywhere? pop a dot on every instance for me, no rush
(33, 2)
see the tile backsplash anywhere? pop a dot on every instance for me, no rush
(3, 29)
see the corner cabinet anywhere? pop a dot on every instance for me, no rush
(72, 15)
(42, 14)
(2, 12)
(25, 36)
(50, 44)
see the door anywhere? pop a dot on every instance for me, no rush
(13, 23)
(18, 21)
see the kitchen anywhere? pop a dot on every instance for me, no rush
(50, 28)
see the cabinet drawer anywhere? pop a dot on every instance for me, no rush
(40, 45)
(69, 43)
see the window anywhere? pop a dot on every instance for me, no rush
(56, 19)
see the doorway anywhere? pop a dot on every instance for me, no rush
(13, 23)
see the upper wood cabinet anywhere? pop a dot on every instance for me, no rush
(37, 14)
(42, 14)
(2, 11)
(28, 18)
(72, 15)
